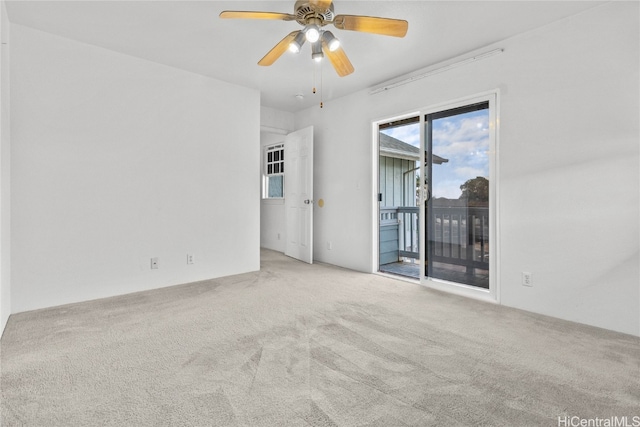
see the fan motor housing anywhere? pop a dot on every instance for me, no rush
(304, 11)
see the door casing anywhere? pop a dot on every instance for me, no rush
(492, 97)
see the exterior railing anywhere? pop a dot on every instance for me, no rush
(409, 232)
(460, 236)
(457, 235)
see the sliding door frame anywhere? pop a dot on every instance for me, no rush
(492, 97)
(375, 213)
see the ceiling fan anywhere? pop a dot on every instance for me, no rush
(313, 15)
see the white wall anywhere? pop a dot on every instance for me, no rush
(116, 160)
(5, 175)
(274, 125)
(568, 165)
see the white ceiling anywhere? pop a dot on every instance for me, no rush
(190, 36)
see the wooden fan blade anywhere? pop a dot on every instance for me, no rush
(372, 24)
(278, 49)
(321, 5)
(238, 14)
(338, 59)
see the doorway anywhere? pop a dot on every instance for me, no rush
(286, 211)
(437, 198)
(398, 182)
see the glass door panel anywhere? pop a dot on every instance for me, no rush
(399, 211)
(457, 144)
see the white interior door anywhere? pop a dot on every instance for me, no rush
(298, 194)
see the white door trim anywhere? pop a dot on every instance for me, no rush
(493, 294)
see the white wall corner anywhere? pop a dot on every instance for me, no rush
(121, 160)
(276, 121)
(5, 173)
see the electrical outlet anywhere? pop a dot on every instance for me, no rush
(278, 236)
(190, 259)
(329, 245)
(527, 279)
(154, 263)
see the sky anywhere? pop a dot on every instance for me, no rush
(463, 140)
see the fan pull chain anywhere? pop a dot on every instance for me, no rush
(321, 103)
(314, 82)
(314, 79)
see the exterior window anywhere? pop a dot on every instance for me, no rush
(273, 182)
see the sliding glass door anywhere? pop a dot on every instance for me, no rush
(457, 221)
(436, 199)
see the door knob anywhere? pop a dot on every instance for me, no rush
(307, 202)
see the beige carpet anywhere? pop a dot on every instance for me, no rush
(309, 345)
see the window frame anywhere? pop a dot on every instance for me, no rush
(276, 164)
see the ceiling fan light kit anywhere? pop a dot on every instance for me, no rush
(296, 45)
(316, 52)
(332, 41)
(312, 33)
(313, 15)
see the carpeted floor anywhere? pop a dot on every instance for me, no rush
(309, 345)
